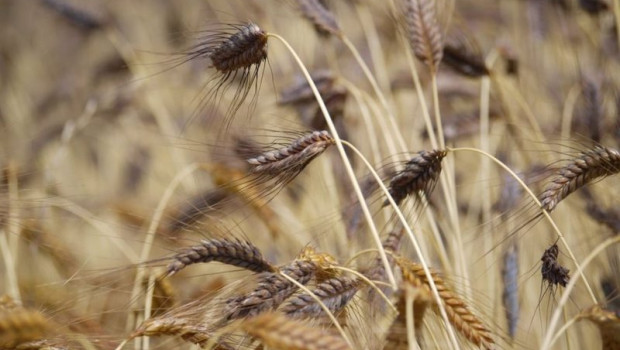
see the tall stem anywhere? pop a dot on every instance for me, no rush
(345, 160)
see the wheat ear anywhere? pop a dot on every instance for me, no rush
(592, 164)
(335, 293)
(555, 318)
(292, 158)
(423, 31)
(20, 325)
(323, 20)
(231, 252)
(459, 314)
(241, 50)
(419, 174)
(271, 291)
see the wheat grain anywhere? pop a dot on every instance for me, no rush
(232, 252)
(21, 325)
(271, 291)
(324, 21)
(423, 31)
(335, 293)
(289, 161)
(241, 50)
(419, 174)
(592, 164)
(551, 270)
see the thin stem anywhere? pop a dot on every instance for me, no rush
(569, 287)
(9, 267)
(485, 171)
(378, 92)
(150, 233)
(414, 241)
(409, 299)
(531, 194)
(148, 306)
(418, 88)
(345, 159)
(359, 254)
(617, 15)
(442, 141)
(566, 326)
(95, 222)
(365, 113)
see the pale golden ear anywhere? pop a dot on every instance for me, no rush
(323, 20)
(462, 52)
(423, 31)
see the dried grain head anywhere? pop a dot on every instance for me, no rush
(272, 290)
(551, 270)
(20, 325)
(419, 175)
(335, 293)
(423, 31)
(237, 53)
(282, 165)
(323, 20)
(462, 53)
(592, 164)
(228, 251)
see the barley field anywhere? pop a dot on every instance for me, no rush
(309, 174)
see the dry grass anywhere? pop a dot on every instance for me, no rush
(168, 178)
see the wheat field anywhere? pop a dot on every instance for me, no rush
(305, 174)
